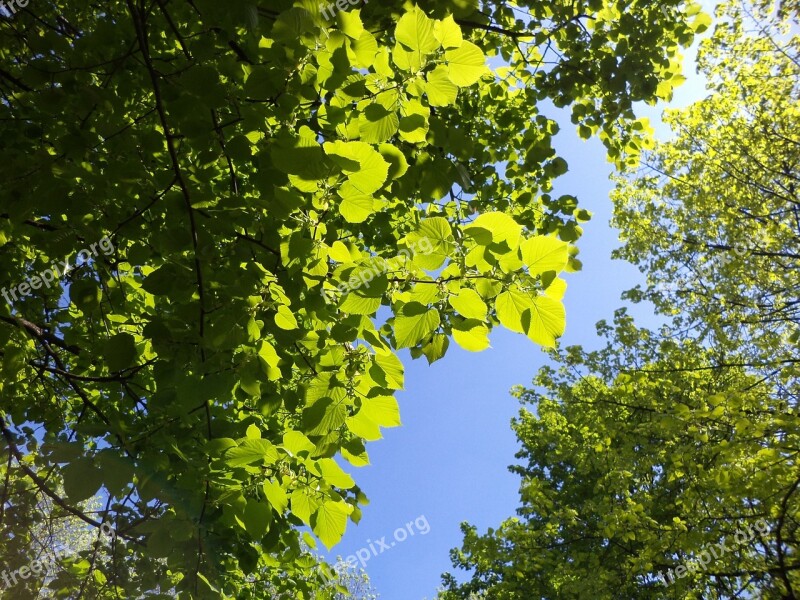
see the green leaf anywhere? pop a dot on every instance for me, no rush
(356, 208)
(329, 522)
(256, 518)
(251, 451)
(355, 453)
(208, 585)
(364, 427)
(439, 87)
(162, 281)
(701, 23)
(303, 505)
(117, 471)
(365, 168)
(558, 166)
(350, 23)
(268, 354)
(285, 319)
(556, 289)
(469, 304)
(332, 473)
(414, 323)
(340, 253)
(82, 479)
(414, 121)
(276, 496)
(510, 306)
(472, 335)
(436, 348)
(356, 304)
(495, 227)
(392, 368)
(382, 410)
(253, 330)
(218, 446)
(323, 417)
(120, 352)
(85, 294)
(548, 321)
(448, 33)
(466, 64)
(377, 124)
(544, 253)
(365, 48)
(297, 443)
(398, 165)
(433, 241)
(415, 31)
(14, 361)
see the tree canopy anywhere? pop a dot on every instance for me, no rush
(186, 187)
(665, 464)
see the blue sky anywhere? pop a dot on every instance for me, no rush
(448, 462)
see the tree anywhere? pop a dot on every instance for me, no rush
(665, 465)
(248, 183)
(53, 546)
(648, 472)
(714, 217)
(65, 549)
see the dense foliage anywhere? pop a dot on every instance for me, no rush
(186, 188)
(665, 465)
